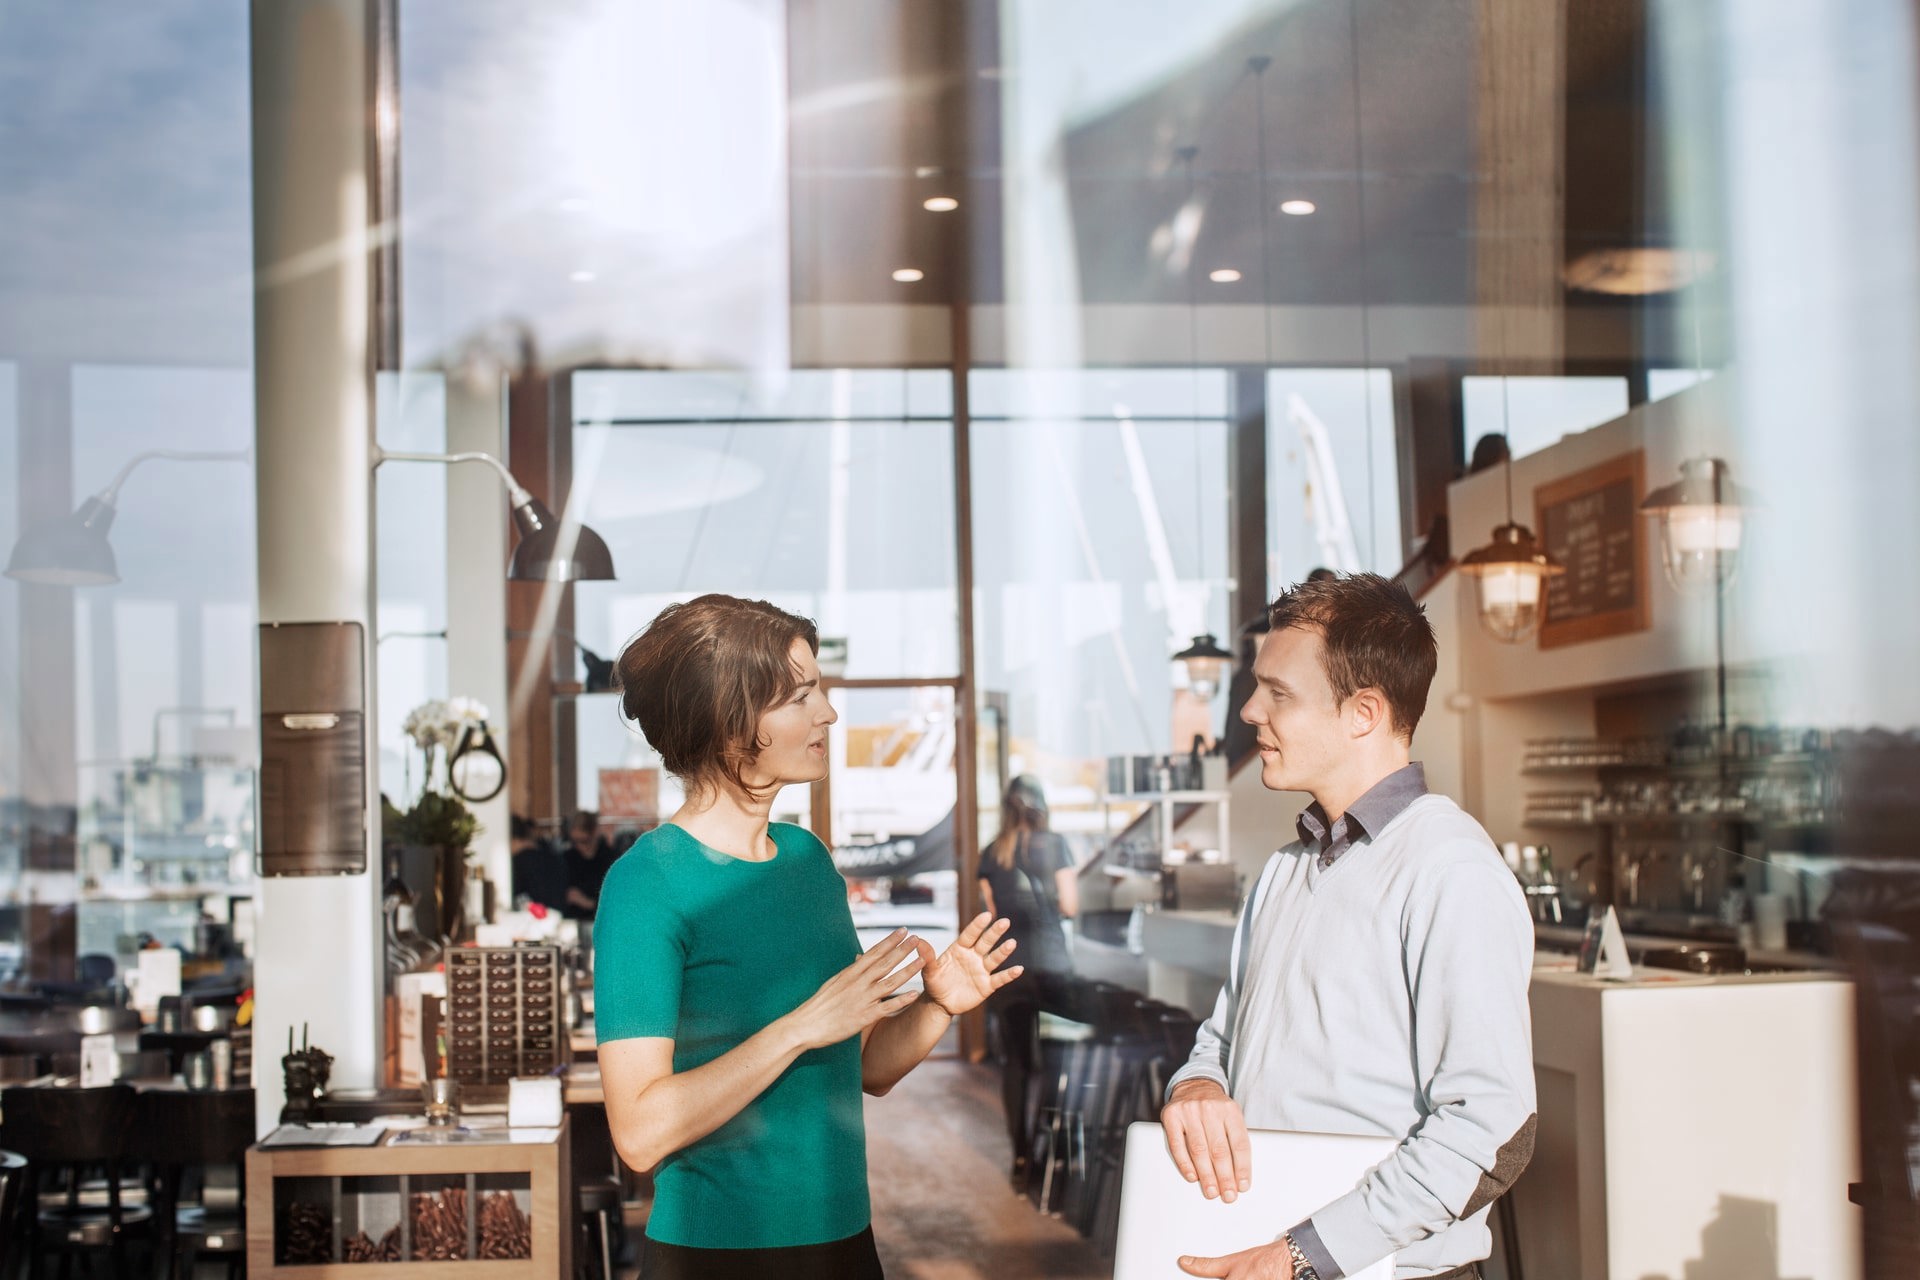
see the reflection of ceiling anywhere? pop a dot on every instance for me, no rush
(857, 149)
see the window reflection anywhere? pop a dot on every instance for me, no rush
(828, 492)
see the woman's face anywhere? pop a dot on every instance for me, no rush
(793, 734)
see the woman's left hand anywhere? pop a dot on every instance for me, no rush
(969, 971)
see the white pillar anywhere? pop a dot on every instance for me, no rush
(477, 590)
(316, 959)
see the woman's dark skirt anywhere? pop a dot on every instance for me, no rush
(853, 1258)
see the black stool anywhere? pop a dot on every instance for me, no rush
(597, 1195)
(599, 1202)
(183, 1132)
(65, 1134)
(13, 1177)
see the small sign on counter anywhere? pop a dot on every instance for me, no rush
(1603, 949)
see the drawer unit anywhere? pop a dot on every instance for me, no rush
(504, 1013)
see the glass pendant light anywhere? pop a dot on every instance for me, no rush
(1700, 525)
(1207, 665)
(1205, 662)
(1510, 576)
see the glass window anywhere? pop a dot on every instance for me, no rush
(127, 708)
(1099, 526)
(411, 558)
(606, 183)
(1536, 412)
(829, 493)
(1333, 473)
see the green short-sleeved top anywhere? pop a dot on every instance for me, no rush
(709, 949)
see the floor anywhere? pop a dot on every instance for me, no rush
(942, 1210)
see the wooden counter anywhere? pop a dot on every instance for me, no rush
(545, 1165)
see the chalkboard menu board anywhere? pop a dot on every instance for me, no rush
(1591, 523)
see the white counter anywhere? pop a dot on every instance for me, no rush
(1691, 1127)
(1186, 955)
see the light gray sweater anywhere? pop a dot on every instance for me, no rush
(1387, 994)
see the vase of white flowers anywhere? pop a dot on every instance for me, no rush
(439, 828)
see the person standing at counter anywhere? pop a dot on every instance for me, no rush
(539, 874)
(1027, 875)
(1378, 976)
(588, 858)
(738, 1020)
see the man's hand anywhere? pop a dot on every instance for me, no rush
(1208, 1138)
(1268, 1262)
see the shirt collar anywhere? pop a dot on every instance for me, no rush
(1383, 802)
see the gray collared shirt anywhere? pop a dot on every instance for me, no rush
(1365, 818)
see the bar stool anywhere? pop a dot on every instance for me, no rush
(1160, 1044)
(200, 1133)
(596, 1191)
(65, 1134)
(1076, 1050)
(13, 1177)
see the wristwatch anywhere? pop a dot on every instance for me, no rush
(1302, 1269)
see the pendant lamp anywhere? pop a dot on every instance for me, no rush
(1207, 665)
(1510, 577)
(1700, 525)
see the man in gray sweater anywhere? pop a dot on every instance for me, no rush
(1378, 978)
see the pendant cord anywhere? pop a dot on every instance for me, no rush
(1360, 219)
(1258, 65)
(1187, 156)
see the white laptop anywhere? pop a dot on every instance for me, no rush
(1163, 1216)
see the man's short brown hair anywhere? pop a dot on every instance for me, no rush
(698, 679)
(1372, 636)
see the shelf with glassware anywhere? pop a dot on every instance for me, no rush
(1791, 791)
(1687, 830)
(1163, 793)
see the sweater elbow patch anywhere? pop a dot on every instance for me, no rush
(1508, 1163)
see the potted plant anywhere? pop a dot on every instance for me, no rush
(435, 835)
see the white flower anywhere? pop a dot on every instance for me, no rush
(442, 724)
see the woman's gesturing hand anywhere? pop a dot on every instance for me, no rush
(862, 993)
(964, 975)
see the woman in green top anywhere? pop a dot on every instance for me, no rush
(738, 1020)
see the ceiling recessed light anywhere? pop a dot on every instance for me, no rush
(1225, 275)
(582, 277)
(907, 275)
(940, 204)
(1298, 208)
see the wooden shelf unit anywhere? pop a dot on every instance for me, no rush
(550, 1203)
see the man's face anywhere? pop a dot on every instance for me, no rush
(583, 838)
(1303, 736)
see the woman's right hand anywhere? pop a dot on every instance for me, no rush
(861, 994)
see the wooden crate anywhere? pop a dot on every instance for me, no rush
(550, 1190)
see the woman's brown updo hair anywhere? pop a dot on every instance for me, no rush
(698, 679)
